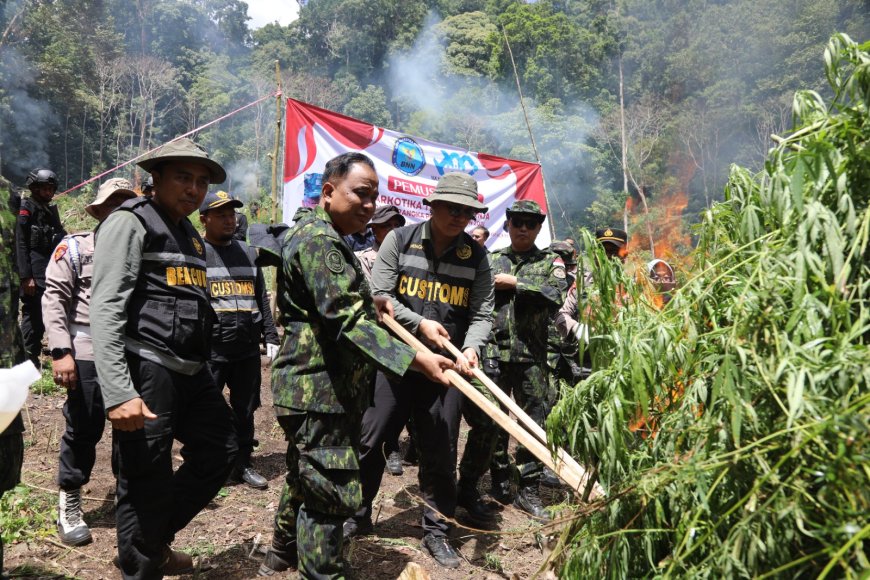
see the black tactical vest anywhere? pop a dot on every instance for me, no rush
(169, 308)
(438, 289)
(232, 285)
(46, 232)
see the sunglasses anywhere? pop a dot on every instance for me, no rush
(456, 210)
(528, 223)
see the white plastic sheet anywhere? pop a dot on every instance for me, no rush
(14, 384)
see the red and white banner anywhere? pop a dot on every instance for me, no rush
(408, 168)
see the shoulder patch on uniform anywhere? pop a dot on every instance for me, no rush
(559, 273)
(24, 212)
(196, 246)
(335, 261)
(60, 251)
(463, 252)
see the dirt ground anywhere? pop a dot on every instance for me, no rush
(229, 536)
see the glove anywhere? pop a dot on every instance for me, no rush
(271, 351)
(581, 332)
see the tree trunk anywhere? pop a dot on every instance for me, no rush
(652, 245)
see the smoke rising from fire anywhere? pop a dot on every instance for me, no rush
(471, 111)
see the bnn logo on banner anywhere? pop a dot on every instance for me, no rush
(408, 168)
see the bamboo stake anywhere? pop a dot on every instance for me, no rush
(279, 102)
(528, 423)
(575, 480)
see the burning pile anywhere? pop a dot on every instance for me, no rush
(759, 468)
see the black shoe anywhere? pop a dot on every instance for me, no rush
(175, 563)
(251, 478)
(394, 464)
(529, 501)
(501, 492)
(478, 510)
(354, 526)
(280, 557)
(550, 479)
(441, 550)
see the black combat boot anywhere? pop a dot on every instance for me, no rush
(394, 464)
(441, 550)
(354, 526)
(478, 510)
(281, 556)
(529, 501)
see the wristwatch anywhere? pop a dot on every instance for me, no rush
(59, 353)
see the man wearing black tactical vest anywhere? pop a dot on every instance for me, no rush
(151, 324)
(238, 296)
(441, 287)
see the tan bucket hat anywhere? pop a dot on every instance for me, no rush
(184, 150)
(116, 185)
(458, 188)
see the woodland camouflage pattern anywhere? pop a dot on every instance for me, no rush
(322, 382)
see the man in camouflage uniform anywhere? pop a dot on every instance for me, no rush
(11, 353)
(529, 288)
(322, 377)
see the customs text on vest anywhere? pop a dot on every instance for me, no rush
(438, 288)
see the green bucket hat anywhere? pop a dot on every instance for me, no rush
(459, 188)
(184, 150)
(114, 186)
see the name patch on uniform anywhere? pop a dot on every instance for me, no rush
(428, 290)
(231, 288)
(184, 276)
(59, 252)
(335, 261)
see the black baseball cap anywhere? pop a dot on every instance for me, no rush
(219, 199)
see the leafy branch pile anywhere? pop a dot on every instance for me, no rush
(755, 375)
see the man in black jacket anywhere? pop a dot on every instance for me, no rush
(238, 296)
(38, 232)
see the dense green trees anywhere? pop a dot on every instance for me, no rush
(89, 83)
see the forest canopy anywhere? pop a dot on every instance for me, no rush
(87, 84)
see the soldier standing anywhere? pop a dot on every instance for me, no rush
(440, 284)
(151, 323)
(322, 376)
(65, 309)
(238, 296)
(529, 288)
(39, 231)
(11, 353)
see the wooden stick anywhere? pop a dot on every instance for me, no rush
(575, 480)
(523, 417)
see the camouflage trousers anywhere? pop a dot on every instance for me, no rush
(529, 384)
(482, 435)
(11, 460)
(322, 488)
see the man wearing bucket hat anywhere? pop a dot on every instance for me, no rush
(440, 284)
(529, 288)
(65, 310)
(238, 296)
(151, 323)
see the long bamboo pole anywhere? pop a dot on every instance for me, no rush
(576, 480)
(527, 422)
(279, 102)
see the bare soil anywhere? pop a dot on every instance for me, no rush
(230, 535)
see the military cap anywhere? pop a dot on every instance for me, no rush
(565, 251)
(219, 199)
(526, 207)
(459, 188)
(116, 185)
(611, 235)
(385, 213)
(184, 150)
